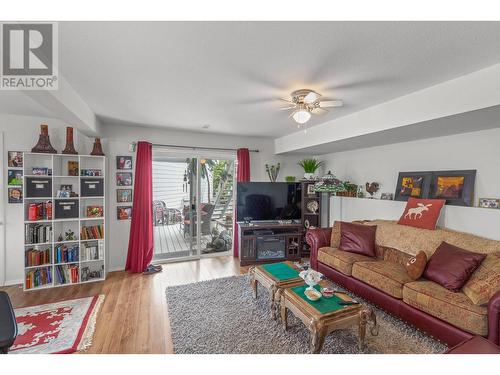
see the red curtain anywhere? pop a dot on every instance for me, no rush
(140, 244)
(243, 175)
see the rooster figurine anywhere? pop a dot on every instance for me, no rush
(372, 188)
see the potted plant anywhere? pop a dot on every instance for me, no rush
(310, 167)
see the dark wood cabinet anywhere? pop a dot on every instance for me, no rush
(269, 242)
(311, 212)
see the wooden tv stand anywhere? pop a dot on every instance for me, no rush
(266, 242)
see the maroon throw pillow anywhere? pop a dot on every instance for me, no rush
(451, 266)
(358, 238)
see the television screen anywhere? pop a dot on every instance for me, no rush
(268, 201)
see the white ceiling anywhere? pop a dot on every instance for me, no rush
(228, 74)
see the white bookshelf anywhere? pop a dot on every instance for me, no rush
(96, 264)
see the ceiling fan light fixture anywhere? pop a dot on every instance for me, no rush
(311, 97)
(301, 116)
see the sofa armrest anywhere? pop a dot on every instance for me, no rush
(494, 318)
(317, 238)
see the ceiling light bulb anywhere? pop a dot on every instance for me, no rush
(301, 116)
(311, 97)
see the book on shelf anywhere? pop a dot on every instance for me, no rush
(40, 211)
(37, 233)
(38, 277)
(66, 274)
(66, 253)
(35, 257)
(91, 172)
(93, 250)
(72, 168)
(41, 171)
(92, 232)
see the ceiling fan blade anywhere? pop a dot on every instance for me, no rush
(331, 103)
(319, 111)
(286, 100)
(285, 108)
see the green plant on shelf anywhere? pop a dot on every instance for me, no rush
(310, 165)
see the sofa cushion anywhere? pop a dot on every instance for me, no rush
(412, 240)
(422, 213)
(387, 276)
(340, 260)
(485, 281)
(451, 266)
(335, 239)
(357, 238)
(454, 308)
(415, 266)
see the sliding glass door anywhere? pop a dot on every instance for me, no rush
(193, 200)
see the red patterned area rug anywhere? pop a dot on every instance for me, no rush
(56, 328)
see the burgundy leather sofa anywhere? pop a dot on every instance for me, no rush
(451, 335)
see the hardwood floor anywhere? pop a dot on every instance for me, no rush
(134, 316)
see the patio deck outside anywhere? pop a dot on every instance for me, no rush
(174, 236)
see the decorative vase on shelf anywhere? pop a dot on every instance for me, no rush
(70, 146)
(308, 176)
(97, 150)
(43, 144)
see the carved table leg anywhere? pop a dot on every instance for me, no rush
(253, 282)
(284, 316)
(277, 301)
(318, 334)
(272, 294)
(367, 314)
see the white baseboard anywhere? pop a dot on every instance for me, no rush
(13, 282)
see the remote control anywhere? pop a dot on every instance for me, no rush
(346, 303)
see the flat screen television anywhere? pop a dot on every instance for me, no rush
(268, 201)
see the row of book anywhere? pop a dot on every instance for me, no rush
(37, 233)
(66, 274)
(38, 277)
(66, 254)
(35, 257)
(93, 232)
(40, 211)
(92, 251)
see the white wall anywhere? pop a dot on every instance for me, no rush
(477, 150)
(20, 133)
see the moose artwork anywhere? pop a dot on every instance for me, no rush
(417, 212)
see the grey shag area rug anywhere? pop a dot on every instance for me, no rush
(221, 317)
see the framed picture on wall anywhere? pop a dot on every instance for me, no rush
(124, 195)
(124, 213)
(413, 184)
(457, 187)
(14, 177)
(15, 195)
(124, 179)
(15, 159)
(124, 162)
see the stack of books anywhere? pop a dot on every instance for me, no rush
(38, 277)
(92, 251)
(40, 211)
(66, 274)
(35, 257)
(37, 233)
(66, 254)
(94, 232)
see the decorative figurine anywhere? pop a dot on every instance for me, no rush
(43, 144)
(372, 188)
(70, 146)
(97, 150)
(70, 235)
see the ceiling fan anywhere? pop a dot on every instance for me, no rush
(305, 102)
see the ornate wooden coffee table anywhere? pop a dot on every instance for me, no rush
(320, 324)
(273, 282)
